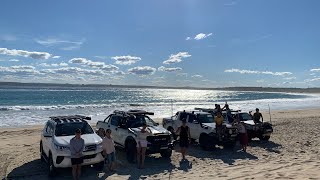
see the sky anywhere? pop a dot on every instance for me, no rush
(207, 43)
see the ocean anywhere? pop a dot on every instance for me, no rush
(34, 105)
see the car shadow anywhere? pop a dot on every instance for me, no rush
(267, 145)
(154, 164)
(227, 156)
(38, 170)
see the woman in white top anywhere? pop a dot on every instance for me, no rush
(142, 145)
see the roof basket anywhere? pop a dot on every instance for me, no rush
(133, 112)
(205, 109)
(74, 117)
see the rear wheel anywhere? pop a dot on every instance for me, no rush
(131, 151)
(166, 153)
(203, 141)
(51, 167)
(41, 153)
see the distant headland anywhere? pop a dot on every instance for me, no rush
(7, 85)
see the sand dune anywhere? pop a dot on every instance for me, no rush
(291, 153)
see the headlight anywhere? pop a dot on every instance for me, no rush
(230, 131)
(100, 146)
(60, 147)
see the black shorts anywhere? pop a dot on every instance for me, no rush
(184, 143)
(76, 161)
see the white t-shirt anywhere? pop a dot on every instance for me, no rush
(241, 127)
(108, 145)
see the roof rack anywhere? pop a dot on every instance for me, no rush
(133, 112)
(205, 109)
(70, 118)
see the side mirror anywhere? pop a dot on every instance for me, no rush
(157, 124)
(47, 135)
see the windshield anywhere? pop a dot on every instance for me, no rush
(138, 121)
(205, 118)
(69, 129)
(245, 117)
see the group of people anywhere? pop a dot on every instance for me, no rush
(77, 143)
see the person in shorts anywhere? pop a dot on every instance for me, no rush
(219, 121)
(142, 144)
(184, 138)
(109, 150)
(76, 148)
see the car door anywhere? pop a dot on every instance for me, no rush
(193, 125)
(114, 126)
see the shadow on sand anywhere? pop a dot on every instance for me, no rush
(153, 166)
(228, 155)
(267, 145)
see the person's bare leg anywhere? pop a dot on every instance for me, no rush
(74, 172)
(138, 156)
(183, 152)
(143, 156)
(79, 171)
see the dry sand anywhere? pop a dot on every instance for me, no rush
(291, 153)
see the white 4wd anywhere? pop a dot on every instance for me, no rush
(55, 142)
(202, 128)
(125, 125)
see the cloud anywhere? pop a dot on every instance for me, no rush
(197, 76)
(176, 58)
(56, 57)
(258, 72)
(200, 36)
(315, 70)
(173, 69)
(182, 74)
(18, 70)
(94, 64)
(73, 70)
(102, 57)
(14, 60)
(142, 70)
(126, 60)
(289, 78)
(67, 45)
(311, 80)
(53, 65)
(29, 54)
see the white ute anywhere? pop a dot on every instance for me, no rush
(202, 128)
(55, 142)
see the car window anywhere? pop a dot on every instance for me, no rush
(49, 129)
(115, 120)
(192, 118)
(183, 116)
(245, 117)
(68, 129)
(206, 118)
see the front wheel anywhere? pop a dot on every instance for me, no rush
(131, 151)
(166, 153)
(51, 167)
(99, 166)
(203, 141)
(264, 138)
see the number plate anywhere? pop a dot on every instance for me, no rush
(164, 147)
(86, 160)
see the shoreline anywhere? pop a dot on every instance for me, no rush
(292, 152)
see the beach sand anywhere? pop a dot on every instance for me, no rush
(293, 152)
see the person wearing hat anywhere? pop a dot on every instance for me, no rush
(184, 138)
(76, 148)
